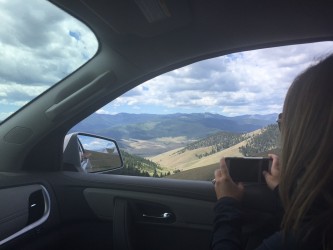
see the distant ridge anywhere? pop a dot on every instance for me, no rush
(150, 126)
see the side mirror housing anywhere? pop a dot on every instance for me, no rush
(91, 153)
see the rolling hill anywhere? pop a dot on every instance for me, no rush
(186, 165)
(184, 159)
(199, 159)
(206, 173)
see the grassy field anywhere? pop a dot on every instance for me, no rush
(146, 148)
(192, 163)
(173, 160)
(205, 173)
(187, 166)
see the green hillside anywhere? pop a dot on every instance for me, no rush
(206, 173)
(218, 141)
(264, 142)
(267, 141)
(259, 145)
(138, 166)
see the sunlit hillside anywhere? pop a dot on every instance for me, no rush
(198, 159)
(182, 160)
(258, 143)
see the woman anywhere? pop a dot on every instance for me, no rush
(304, 177)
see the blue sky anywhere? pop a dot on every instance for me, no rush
(253, 82)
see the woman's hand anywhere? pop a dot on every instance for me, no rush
(224, 185)
(273, 178)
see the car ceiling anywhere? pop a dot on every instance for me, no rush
(197, 29)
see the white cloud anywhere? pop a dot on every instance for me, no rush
(242, 83)
(39, 45)
(4, 115)
(105, 112)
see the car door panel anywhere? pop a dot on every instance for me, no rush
(130, 203)
(127, 199)
(55, 231)
(29, 209)
(32, 199)
(102, 202)
(114, 212)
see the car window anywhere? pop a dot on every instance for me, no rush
(37, 50)
(178, 125)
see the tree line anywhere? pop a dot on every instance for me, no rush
(217, 142)
(267, 140)
(137, 166)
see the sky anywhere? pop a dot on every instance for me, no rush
(251, 82)
(40, 45)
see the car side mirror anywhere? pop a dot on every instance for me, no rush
(91, 153)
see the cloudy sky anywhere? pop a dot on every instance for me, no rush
(253, 82)
(40, 45)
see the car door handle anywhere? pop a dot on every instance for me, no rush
(164, 216)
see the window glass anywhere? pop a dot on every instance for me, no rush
(39, 45)
(179, 124)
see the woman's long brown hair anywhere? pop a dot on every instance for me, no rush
(306, 185)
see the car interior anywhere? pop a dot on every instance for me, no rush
(46, 204)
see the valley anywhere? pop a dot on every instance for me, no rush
(182, 160)
(183, 146)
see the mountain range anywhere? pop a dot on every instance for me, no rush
(124, 126)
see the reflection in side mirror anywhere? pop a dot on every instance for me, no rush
(91, 153)
(99, 154)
